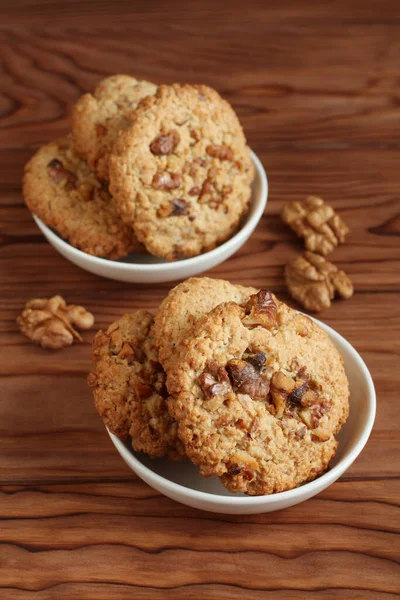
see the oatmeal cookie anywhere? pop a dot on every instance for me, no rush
(185, 304)
(259, 391)
(181, 173)
(129, 387)
(98, 117)
(65, 194)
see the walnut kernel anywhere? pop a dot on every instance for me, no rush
(165, 144)
(52, 323)
(176, 207)
(61, 176)
(212, 385)
(320, 434)
(163, 180)
(221, 152)
(295, 396)
(313, 281)
(316, 222)
(245, 376)
(261, 309)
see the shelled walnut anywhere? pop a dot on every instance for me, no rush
(313, 281)
(260, 309)
(316, 222)
(245, 375)
(52, 324)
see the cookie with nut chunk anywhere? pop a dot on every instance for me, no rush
(97, 118)
(259, 392)
(181, 174)
(185, 304)
(64, 193)
(129, 387)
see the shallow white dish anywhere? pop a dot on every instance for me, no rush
(183, 482)
(145, 268)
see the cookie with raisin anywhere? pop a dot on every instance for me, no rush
(181, 174)
(129, 389)
(66, 195)
(97, 118)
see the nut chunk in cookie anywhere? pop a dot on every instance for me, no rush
(259, 402)
(65, 194)
(98, 117)
(316, 222)
(129, 387)
(181, 174)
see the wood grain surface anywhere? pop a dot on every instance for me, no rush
(317, 87)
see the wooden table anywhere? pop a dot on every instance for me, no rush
(317, 89)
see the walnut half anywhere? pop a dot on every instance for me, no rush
(214, 381)
(313, 281)
(316, 222)
(245, 375)
(51, 323)
(260, 310)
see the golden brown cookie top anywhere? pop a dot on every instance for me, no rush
(185, 304)
(181, 173)
(64, 193)
(98, 117)
(129, 386)
(259, 391)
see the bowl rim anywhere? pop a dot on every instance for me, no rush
(297, 493)
(260, 203)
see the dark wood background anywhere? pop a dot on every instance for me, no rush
(317, 87)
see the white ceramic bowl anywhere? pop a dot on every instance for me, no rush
(183, 482)
(145, 268)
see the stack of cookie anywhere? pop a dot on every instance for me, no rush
(163, 169)
(228, 376)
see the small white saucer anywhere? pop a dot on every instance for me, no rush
(145, 268)
(183, 482)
